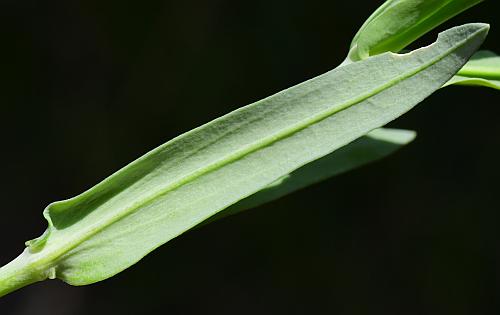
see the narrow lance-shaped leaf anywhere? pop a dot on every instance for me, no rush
(398, 23)
(483, 69)
(375, 145)
(189, 179)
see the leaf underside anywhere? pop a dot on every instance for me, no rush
(191, 178)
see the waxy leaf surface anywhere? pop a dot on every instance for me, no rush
(187, 180)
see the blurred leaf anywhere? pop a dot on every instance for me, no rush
(483, 69)
(398, 23)
(459, 80)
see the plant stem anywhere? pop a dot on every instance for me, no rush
(18, 273)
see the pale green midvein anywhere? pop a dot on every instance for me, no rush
(49, 259)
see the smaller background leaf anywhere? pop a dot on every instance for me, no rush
(398, 23)
(483, 69)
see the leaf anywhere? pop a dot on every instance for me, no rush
(182, 183)
(375, 145)
(483, 69)
(460, 80)
(484, 64)
(398, 23)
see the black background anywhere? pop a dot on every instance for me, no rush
(87, 86)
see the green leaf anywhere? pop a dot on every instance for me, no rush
(398, 23)
(483, 69)
(375, 145)
(460, 80)
(182, 183)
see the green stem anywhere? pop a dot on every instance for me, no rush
(19, 273)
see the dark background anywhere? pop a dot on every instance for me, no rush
(87, 86)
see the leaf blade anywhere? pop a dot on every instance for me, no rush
(175, 187)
